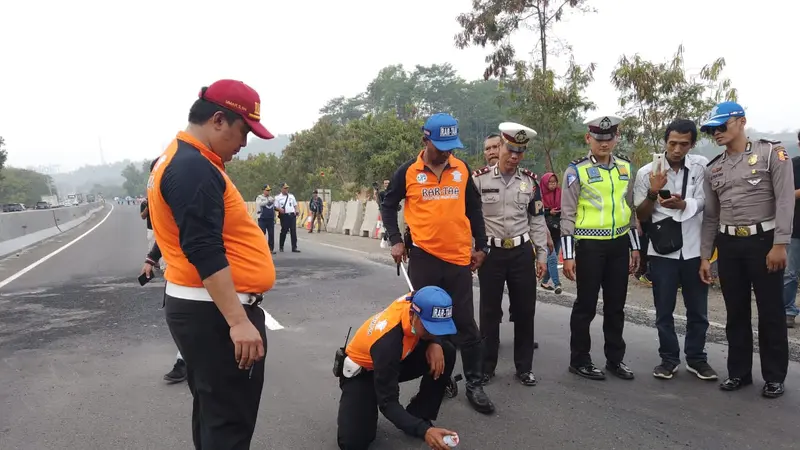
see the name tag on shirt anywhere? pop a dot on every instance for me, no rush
(490, 191)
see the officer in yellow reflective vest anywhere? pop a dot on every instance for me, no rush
(600, 246)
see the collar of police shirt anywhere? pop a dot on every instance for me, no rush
(611, 162)
(691, 218)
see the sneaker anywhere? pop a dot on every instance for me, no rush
(558, 289)
(665, 370)
(702, 370)
(178, 372)
(644, 279)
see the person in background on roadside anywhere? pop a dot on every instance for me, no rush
(265, 211)
(286, 205)
(551, 198)
(793, 252)
(675, 248)
(315, 206)
(643, 271)
(491, 148)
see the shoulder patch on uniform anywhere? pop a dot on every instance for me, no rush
(622, 157)
(769, 141)
(579, 160)
(482, 171)
(714, 159)
(527, 172)
(782, 155)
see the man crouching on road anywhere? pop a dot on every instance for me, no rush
(400, 343)
(218, 265)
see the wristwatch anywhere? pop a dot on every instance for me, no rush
(652, 196)
(486, 249)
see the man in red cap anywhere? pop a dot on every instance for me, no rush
(218, 264)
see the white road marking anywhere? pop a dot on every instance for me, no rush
(45, 258)
(270, 321)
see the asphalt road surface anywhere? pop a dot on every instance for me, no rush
(83, 348)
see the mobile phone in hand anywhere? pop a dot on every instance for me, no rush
(144, 279)
(664, 193)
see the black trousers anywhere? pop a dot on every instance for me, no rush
(226, 399)
(358, 405)
(268, 228)
(599, 264)
(425, 269)
(742, 265)
(288, 223)
(515, 266)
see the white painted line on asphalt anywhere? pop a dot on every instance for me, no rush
(45, 258)
(334, 246)
(270, 321)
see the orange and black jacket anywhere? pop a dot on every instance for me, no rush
(443, 215)
(381, 345)
(201, 223)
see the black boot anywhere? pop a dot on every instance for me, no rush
(471, 358)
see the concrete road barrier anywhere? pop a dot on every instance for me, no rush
(21, 229)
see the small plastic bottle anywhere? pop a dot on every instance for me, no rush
(451, 440)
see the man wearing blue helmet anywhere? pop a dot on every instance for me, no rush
(443, 216)
(401, 343)
(748, 213)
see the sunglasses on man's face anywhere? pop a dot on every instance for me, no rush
(721, 128)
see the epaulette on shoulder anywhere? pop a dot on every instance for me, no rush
(622, 157)
(714, 159)
(575, 162)
(482, 171)
(527, 172)
(769, 141)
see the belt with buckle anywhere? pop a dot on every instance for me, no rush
(201, 294)
(509, 242)
(747, 230)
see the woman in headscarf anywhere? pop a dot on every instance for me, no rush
(551, 199)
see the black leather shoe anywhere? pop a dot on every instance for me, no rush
(479, 400)
(487, 378)
(620, 370)
(772, 389)
(294, 250)
(526, 378)
(589, 371)
(177, 374)
(735, 383)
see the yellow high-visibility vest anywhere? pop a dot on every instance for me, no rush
(603, 212)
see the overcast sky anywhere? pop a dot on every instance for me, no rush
(75, 74)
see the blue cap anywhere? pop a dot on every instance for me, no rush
(435, 308)
(721, 113)
(442, 130)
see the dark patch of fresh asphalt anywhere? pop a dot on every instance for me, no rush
(83, 348)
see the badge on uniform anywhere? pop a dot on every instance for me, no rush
(752, 160)
(523, 186)
(594, 175)
(571, 179)
(623, 172)
(782, 155)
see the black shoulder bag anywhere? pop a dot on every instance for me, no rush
(666, 236)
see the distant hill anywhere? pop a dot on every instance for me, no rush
(272, 146)
(83, 179)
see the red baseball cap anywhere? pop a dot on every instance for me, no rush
(241, 99)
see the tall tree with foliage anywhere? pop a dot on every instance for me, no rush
(651, 95)
(552, 106)
(136, 178)
(3, 156)
(24, 186)
(493, 22)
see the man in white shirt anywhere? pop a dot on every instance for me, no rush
(672, 197)
(286, 205)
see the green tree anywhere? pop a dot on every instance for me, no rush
(552, 106)
(136, 178)
(24, 186)
(493, 22)
(3, 156)
(651, 95)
